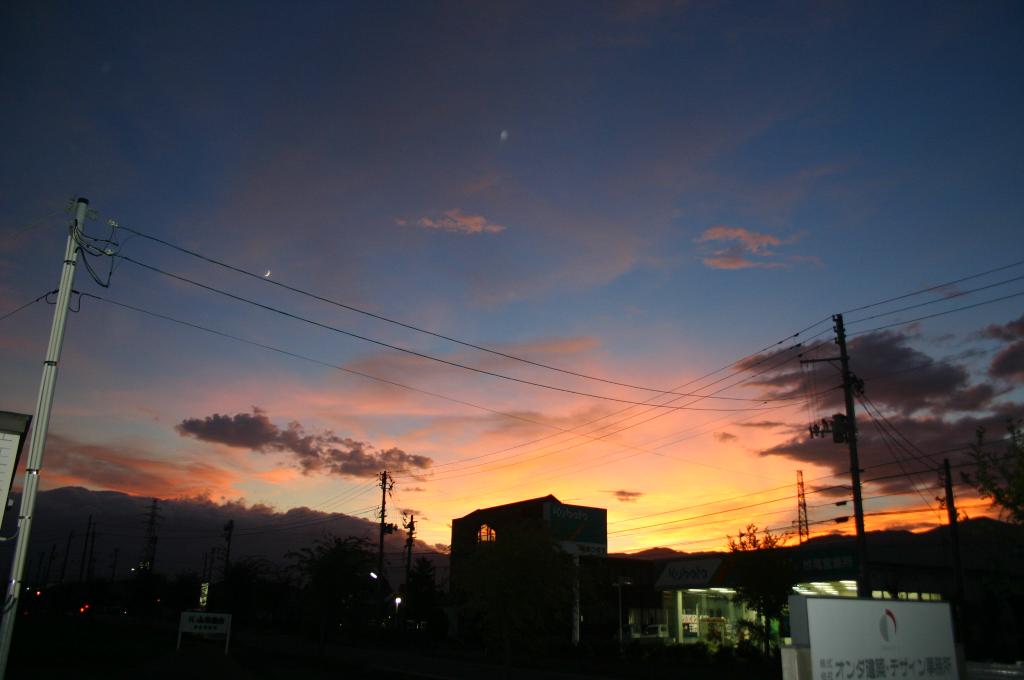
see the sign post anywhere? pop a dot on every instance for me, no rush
(207, 624)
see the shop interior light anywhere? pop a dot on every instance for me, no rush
(696, 590)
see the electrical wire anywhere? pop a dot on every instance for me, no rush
(381, 317)
(937, 314)
(935, 287)
(935, 302)
(27, 305)
(423, 355)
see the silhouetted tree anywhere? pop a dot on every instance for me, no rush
(765, 576)
(999, 476)
(421, 597)
(335, 578)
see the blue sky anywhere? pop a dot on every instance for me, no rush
(644, 191)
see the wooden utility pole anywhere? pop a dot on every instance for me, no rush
(803, 528)
(954, 541)
(849, 385)
(843, 428)
(410, 538)
(386, 484)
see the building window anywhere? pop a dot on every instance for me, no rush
(486, 534)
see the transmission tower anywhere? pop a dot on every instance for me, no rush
(801, 505)
(149, 547)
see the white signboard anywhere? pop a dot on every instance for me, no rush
(13, 428)
(859, 639)
(206, 623)
(9, 444)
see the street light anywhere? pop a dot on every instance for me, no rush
(622, 581)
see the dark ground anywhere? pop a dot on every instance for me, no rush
(117, 647)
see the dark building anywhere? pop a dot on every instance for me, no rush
(579, 532)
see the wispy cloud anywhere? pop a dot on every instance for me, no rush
(725, 437)
(624, 496)
(456, 221)
(744, 249)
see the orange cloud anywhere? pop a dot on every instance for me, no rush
(455, 220)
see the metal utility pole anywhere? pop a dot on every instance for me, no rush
(85, 550)
(843, 428)
(40, 427)
(113, 565)
(67, 553)
(386, 484)
(91, 569)
(954, 539)
(803, 527)
(49, 563)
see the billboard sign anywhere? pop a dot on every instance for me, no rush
(875, 639)
(696, 573)
(13, 431)
(580, 530)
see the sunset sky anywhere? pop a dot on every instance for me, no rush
(643, 193)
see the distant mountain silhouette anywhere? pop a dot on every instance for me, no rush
(188, 529)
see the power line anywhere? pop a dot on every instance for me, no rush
(381, 317)
(758, 504)
(932, 316)
(423, 355)
(26, 305)
(935, 287)
(935, 302)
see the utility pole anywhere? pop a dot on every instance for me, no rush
(39, 568)
(803, 528)
(849, 384)
(67, 553)
(85, 550)
(954, 539)
(843, 428)
(229, 529)
(91, 569)
(40, 427)
(410, 526)
(113, 565)
(49, 563)
(386, 484)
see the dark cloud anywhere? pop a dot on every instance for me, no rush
(1010, 331)
(1009, 363)
(766, 424)
(627, 496)
(897, 376)
(929, 435)
(724, 437)
(321, 452)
